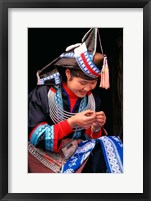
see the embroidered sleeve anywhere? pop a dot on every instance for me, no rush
(49, 135)
(42, 132)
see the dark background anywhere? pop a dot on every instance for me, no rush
(46, 44)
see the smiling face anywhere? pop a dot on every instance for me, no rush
(79, 86)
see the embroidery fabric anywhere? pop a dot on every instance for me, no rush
(87, 65)
(113, 153)
(112, 150)
(47, 131)
(83, 151)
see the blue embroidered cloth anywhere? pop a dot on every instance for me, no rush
(113, 153)
(112, 150)
(83, 151)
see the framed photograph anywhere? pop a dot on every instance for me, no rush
(33, 33)
(111, 105)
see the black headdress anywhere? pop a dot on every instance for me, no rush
(84, 56)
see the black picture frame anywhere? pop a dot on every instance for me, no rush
(4, 6)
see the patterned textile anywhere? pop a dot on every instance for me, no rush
(45, 131)
(85, 62)
(113, 153)
(83, 151)
(87, 65)
(54, 78)
(112, 150)
(65, 55)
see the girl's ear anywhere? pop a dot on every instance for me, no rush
(68, 74)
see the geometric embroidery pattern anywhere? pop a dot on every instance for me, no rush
(67, 55)
(85, 62)
(87, 65)
(81, 154)
(55, 76)
(49, 138)
(112, 152)
(38, 132)
(48, 133)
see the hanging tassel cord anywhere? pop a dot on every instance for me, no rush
(104, 82)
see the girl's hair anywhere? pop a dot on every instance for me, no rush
(74, 73)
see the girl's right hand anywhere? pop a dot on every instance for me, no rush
(82, 119)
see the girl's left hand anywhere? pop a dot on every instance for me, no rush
(100, 120)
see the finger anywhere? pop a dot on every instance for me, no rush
(89, 123)
(88, 113)
(101, 121)
(100, 114)
(91, 118)
(100, 118)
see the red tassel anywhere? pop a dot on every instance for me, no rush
(104, 82)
